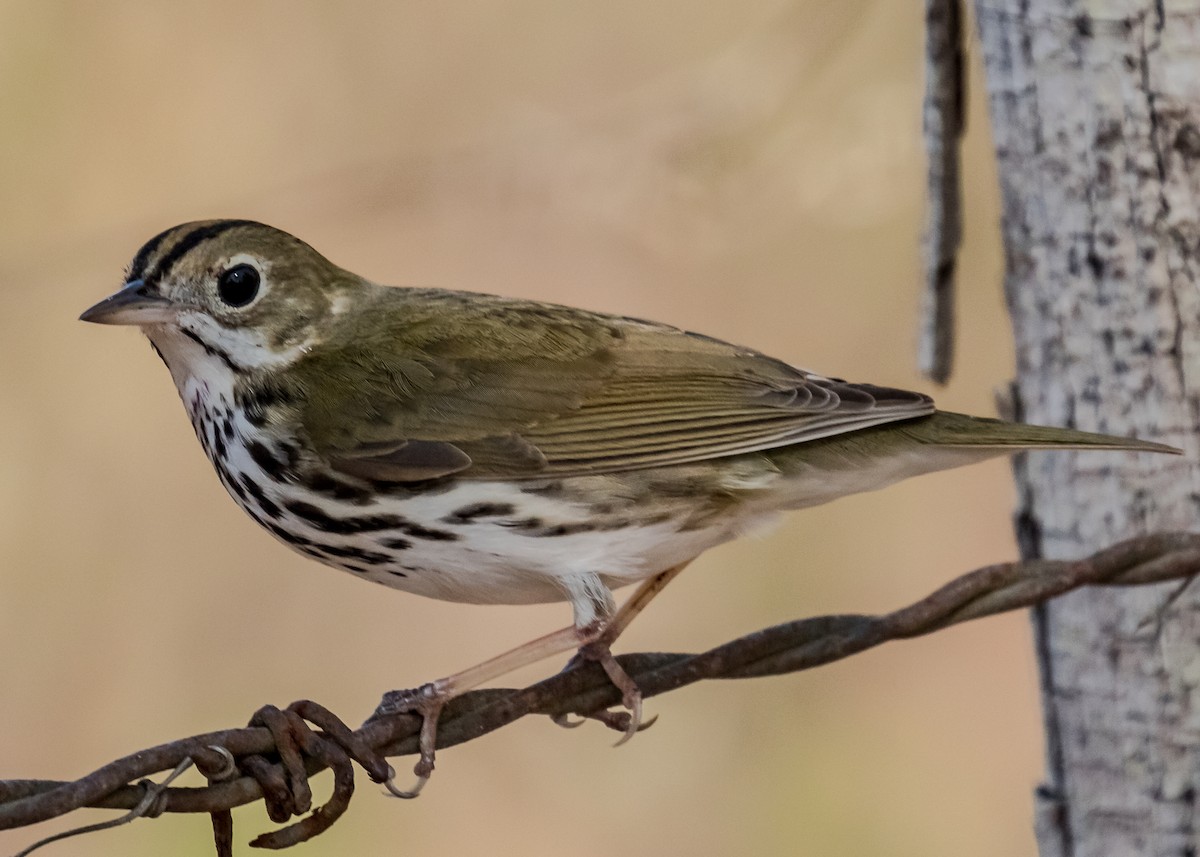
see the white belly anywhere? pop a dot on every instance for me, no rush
(539, 553)
(464, 540)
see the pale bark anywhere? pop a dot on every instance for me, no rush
(1096, 115)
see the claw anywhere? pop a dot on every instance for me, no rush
(634, 727)
(647, 724)
(630, 722)
(634, 703)
(564, 720)
(390, 785)
(427, 702)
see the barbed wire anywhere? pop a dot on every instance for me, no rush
(272, 758)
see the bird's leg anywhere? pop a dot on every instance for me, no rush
(599, 650)
(636, 603)
(429, 699)
(592, 642)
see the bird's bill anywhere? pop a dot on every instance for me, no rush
(132, 305)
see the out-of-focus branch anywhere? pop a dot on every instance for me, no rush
(943, 123)
(585, 690)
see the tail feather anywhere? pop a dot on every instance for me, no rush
(945, 428)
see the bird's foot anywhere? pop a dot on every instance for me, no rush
(618, 721)
(426, 701)
(628, 722)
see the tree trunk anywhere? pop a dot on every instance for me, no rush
(1096, 114)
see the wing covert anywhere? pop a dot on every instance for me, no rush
(493, 388)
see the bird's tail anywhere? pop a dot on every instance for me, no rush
(945, 428)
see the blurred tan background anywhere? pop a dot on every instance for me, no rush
(747, 168)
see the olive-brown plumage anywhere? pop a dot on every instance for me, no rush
(481, 448)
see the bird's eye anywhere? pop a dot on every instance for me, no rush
(239, 285)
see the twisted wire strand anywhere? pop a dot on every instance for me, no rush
(585, 690)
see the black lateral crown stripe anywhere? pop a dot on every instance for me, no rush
(189, 242)
(137, 268)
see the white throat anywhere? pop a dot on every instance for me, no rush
(203, 354)
(200, 374)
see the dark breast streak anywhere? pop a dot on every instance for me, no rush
(499, 544)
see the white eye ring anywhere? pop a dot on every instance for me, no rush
(240, 283)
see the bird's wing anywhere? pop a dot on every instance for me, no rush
(493, 388)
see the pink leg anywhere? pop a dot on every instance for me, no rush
(592, 642)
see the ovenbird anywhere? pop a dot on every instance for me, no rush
(485, 449)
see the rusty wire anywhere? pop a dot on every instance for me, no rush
(279, 750)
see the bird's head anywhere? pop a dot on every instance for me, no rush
(240, 292)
